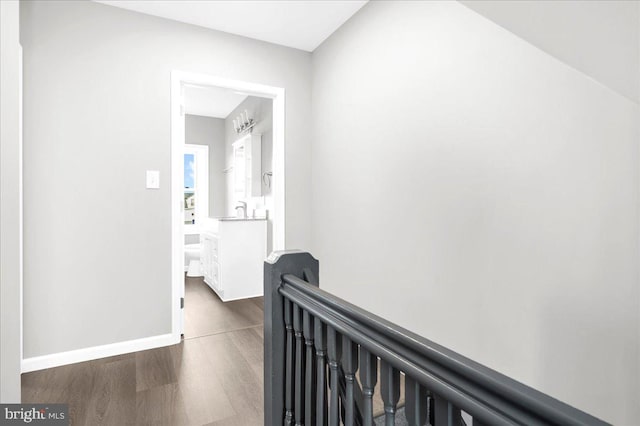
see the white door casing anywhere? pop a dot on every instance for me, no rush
(178, 80)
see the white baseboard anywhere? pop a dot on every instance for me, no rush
(96, 352)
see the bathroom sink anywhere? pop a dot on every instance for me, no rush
(229, 218)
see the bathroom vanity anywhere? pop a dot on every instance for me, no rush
(233, 253)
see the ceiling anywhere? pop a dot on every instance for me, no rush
(598, 38)
(301, 24)
(211, 101)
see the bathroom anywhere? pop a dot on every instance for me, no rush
(228, 195)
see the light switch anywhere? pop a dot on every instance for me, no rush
(153, 179)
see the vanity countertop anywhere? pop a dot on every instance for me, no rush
(238, 219)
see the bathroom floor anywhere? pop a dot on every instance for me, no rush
(206, 314)
(213, 377)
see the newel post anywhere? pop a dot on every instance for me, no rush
(279, 263)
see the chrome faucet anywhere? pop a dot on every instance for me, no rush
(242, 206)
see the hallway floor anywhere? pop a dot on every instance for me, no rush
(213, 377)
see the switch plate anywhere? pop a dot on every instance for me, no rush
(153, 179)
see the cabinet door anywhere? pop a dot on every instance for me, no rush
(205, 258)
(215, 275)
(214, 248)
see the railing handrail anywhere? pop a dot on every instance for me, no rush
(436, 366)
(488, 415)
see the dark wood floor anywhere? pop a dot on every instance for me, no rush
(214, 377)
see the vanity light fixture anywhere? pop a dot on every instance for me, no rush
(243, 123)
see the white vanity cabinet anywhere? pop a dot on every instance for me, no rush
(233, 254)
(247, 166)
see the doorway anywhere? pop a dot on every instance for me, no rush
(275, 178)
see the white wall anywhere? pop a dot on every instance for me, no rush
(11, 204)
(597, 37)
(209, 131)
(96, 98)
(483, 194)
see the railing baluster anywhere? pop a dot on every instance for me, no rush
(335, 351)
(289, 389)
(350, 366)
(441, 411)
(446, 414)
(299, 367)
(456, 416)
(390, 389)
(431, 408)
(368, 378)
(310, 382)
(320, 340)
(415, 402)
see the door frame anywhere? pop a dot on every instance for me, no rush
(277, 94)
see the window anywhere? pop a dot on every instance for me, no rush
(196, 184)
(189, 189)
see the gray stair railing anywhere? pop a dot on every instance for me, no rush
(324, 357)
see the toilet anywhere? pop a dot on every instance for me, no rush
(192, 263)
